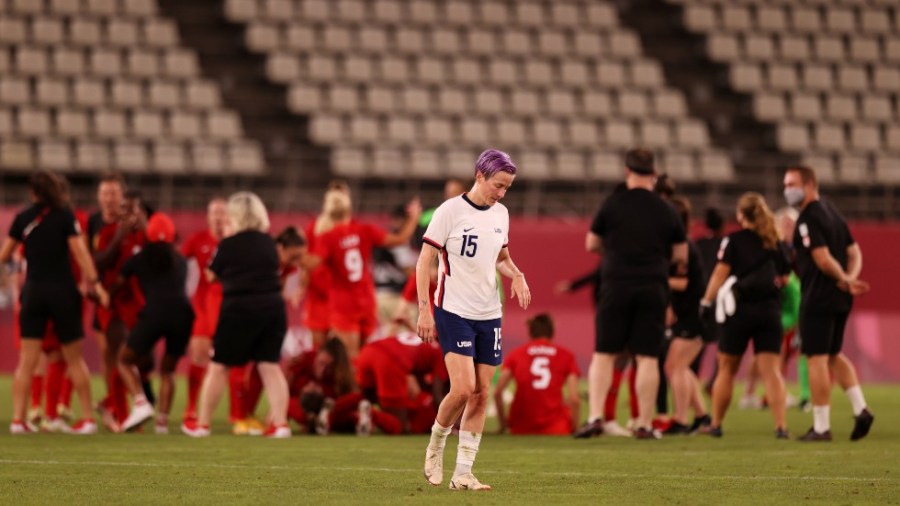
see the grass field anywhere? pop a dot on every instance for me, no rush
(747, 466)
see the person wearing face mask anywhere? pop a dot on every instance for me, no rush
(828, 261)
(754, 263)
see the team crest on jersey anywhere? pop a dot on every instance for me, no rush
(804, 234)
(498, 230)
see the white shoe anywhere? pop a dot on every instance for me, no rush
(140, 413)
(749, 402)
(631, 424)
(64, 412)
(612, 428)
(54, 425)
(161, 429)
(22, 428)
(194, 429)
(364, 418)
(279, 432)
(434, 466)
(82, 428)
(34, 417)
(467, 481)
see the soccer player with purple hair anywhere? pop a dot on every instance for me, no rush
(470, 236)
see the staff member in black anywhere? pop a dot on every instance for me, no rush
(640, 235)
(828, 261)
(760, 264)
(161, 273)
(49, 231)
(252, 321)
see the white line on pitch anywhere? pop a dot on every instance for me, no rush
(600, 475)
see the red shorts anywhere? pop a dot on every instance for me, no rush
(206, 314)
(316, 314)
(364, 322)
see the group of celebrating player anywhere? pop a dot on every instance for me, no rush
(397, 376)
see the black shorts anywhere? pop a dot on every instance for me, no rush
(631, 316)
(822, 333)
(174, 325)
(757, 321)
(45, 302)
(243, 337)
(687, 326)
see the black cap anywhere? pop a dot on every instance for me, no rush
(640, 161)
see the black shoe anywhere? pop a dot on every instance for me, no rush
(589, 430)
(782, 434)
(644, 433)
(812, 435)
(715, 431)
(862, 425)
(699, 423)
(677, 429)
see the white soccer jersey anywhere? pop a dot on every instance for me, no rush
(470, 238)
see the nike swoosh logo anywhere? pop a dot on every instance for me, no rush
(496, 355)
(467, 229)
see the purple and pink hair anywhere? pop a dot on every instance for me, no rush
(493, 161)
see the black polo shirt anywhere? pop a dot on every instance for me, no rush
(821, 225)
(45, 232)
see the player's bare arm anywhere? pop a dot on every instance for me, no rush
(519, 288)
(425, 325)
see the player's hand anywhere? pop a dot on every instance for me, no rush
(425, 326)
(855, 287)
(519, 290)
(707, 314)
(414, 208)
(561, 287)
(100, 294)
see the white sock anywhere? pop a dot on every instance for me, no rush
(439, 435)
(856, 399)
(821, 418)
(468, 449)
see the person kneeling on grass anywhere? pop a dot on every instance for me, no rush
(541, 370)
(161, 272)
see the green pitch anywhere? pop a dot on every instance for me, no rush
(747, 466)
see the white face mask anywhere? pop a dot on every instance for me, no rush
(794, 196)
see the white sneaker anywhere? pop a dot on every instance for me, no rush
(82, 428)
(434, 466)
(612, 428)
(140, 413)
(22, 428)
(467, 481)
(194, 429)
(364, 418)
(53, 425)
(278, 432)
(161, 429)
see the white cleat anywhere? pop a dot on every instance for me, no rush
(17, 428)
(140, 413)
(434, 466)
(612, 428)
(364, 418)
(194, 429)
(278, 432)
(54, 425)
(82, 428)
(467, 481)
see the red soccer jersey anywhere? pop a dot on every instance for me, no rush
(201, 246)
(320, 277)
(347, 252)
(540, 369)
(303, 373)
(128, 301)
(385, 365)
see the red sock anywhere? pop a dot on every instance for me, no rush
(632, 392)
(252, 390)
(65, 392)
(612, 398)
(236, 376)
(386, 422)
(56, 373)
(37, 389)
(196, 373)
(118, 396)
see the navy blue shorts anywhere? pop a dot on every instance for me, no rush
(479, 339)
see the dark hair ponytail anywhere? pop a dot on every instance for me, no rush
(49, 189)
